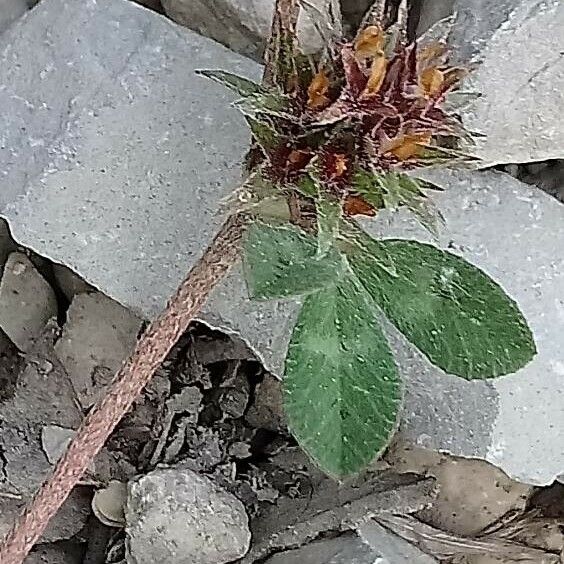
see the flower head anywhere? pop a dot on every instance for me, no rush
(371, 109)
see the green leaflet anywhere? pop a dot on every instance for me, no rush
(268, 104)
(283, 261)
(393, 190)
(441, 156)
(449, 309)
(264, 133)
(243, 86)
(342, 388)
(307, 186)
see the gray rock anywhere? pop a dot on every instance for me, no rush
(11, 10)
(11, 363)
(267, 411)
(69, 520)
(521, 80)
(69, 282)
(179, 517)
(144, 225)
(54, 441)
(346, 549)
(7, 244)
(432, 11)
(354, 10)
(97, 337)
(244, 25)
(476, 21)
(60, 553)
(27, 301)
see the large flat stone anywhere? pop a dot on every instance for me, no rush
(127, 164)
(519, 46)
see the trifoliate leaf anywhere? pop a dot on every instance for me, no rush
(342, 388)
(449, 309)
(283, 261)
(243, 86)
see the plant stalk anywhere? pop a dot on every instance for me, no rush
(152, 348)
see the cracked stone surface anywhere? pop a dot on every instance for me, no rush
(471, 494)
(152, 149)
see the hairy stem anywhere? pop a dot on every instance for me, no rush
(128, 383)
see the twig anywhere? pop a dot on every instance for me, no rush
(134, 375)
(446, 545)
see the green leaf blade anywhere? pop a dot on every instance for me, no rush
(283, 261)
(450, 310)
(342, 388)
(243, 86)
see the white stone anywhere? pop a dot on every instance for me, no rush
(180, 517)
(27, 301)
(97, 337)
(390, 548)
(521, 80)
(244, 25)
